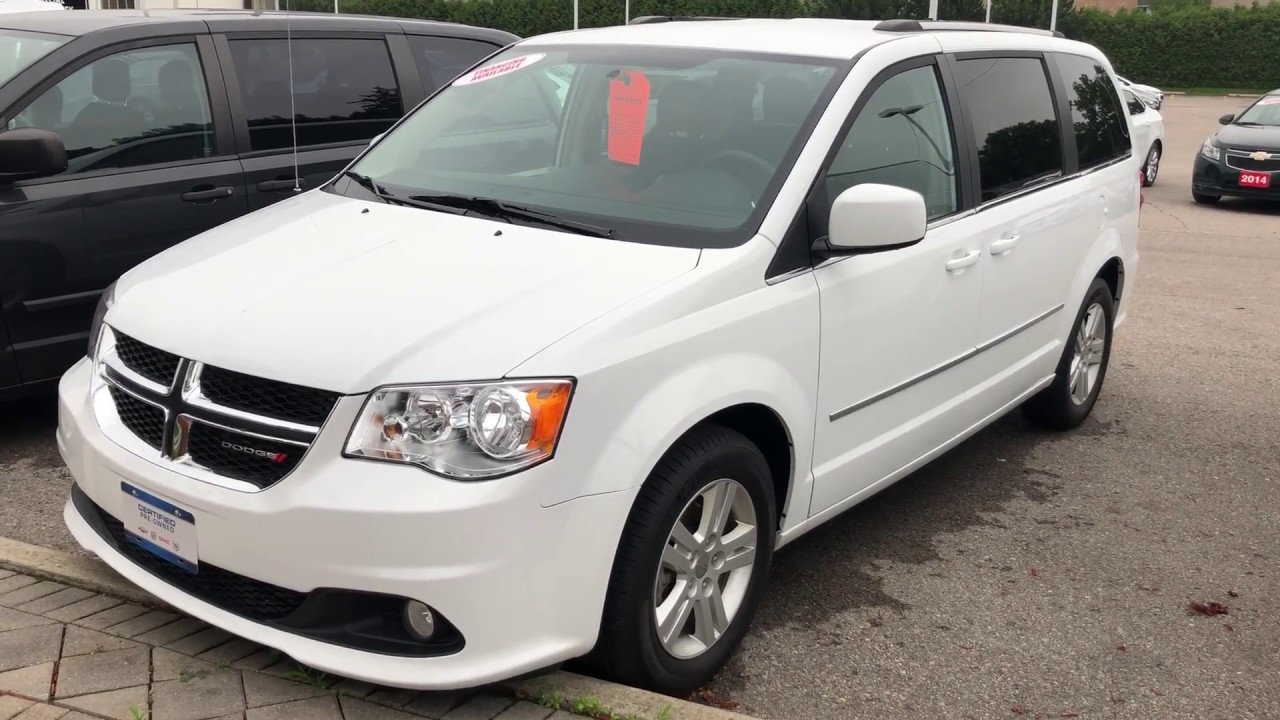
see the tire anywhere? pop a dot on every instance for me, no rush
(1061, 406)
(629, 649)
(1151, 166)
(1204, 199)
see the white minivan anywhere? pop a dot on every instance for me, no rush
(553, 369)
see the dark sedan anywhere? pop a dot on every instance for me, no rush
(1243, 158)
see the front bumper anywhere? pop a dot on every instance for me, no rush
(1215, 177)
(523, 585)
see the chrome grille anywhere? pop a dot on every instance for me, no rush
(217, 425)
(1254, 160)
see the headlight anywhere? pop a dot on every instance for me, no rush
(467, 431)
(1211, 151)
(95, 327)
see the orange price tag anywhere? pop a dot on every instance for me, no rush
(628, 113)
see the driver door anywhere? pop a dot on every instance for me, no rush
(150, 165)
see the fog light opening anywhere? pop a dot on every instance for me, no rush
(419, 619)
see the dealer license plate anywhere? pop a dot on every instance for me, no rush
(160, 527)
(1255, 179)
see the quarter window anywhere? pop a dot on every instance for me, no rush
(901, 137)
(344, 90)
(1012, 120)
(139, 107)
(1102, 134)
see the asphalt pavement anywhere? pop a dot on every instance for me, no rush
(1024, 574)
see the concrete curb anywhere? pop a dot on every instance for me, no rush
(563, 688)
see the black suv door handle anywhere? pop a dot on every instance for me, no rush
(281, 184)
(208, 193)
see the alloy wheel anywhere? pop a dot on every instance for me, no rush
(706, 568)
(1091, 344)
(1153, 165)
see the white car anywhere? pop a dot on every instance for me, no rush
(23, 6)
(509, 393)
(1152, 96)
(1148, 136)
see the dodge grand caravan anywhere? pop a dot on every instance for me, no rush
(501, 396)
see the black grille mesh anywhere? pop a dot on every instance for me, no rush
(151, 363)
(1244, 162)
(249, 598)
(244, 457)
(143, 419)
(283, 401)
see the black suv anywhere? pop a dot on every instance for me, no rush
(125, 132)
(1243, 158)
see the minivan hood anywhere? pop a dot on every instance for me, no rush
(1249, 137)
(345, 295)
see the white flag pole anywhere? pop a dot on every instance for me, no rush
(1053, 18)
(988, 11)
(575, 14)
(933, 9)
(626, 13)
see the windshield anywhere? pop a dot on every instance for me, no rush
(1264, 112)
(662, 145)
(18, 50)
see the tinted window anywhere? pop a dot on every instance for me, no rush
(901, 137)
(344, 90)
(441, 59)
(1014, 126)
(1102, 134)
(138, 107)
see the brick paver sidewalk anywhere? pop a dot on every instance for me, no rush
(70, 654)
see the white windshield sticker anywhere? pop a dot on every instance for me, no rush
(505, 67)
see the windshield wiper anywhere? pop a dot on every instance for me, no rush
(386, 196)
(509, 212)
(1248, 123)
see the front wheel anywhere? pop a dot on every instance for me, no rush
(691, 565)
(1083, 365)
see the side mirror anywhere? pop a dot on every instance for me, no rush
(1226, 119)
(30, 153)
(874, 218)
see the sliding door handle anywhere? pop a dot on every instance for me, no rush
(1005, 244)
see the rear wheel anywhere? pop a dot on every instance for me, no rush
(1152, 166)
(691, 566)
(1205, 199)
(1082, 368)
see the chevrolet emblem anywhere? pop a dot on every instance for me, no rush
(1261, 155)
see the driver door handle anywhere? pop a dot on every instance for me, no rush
(1005, 244)
(957, 264)
(208, 194)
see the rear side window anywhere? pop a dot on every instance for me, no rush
(344, 90)
(1012, 122)
(1101, 132)
(441, 59)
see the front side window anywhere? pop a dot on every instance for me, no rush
(901, 137)
(344, 90)
(18, 50)
(139, 107)
(441, 59)
(1266, 111)
(1013, 123)
(1136, 106)
(1102, 134)
(664, 145)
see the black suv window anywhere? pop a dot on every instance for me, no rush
(1136, 106)
(902, 137)
(143, 106)
(1012, 121)
(344, 90)
(441, 59)
(1102, 134)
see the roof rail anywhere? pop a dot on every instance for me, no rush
(652, 19)
(905, 26)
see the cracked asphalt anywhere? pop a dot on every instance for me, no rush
(1024, 574)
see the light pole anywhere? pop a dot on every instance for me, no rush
(575, 14)
(933, 9)
(1053, 18)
